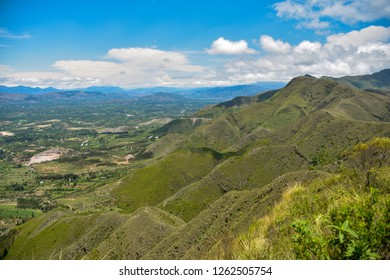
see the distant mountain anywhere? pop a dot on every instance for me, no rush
(242, 100)
(75, 95)
(229, 92)
(217, 93)
(27, 90)
(377, 81)
(161, 97)
(61, 97)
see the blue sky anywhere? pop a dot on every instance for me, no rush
(70, 44)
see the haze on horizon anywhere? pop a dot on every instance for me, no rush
(69, 44)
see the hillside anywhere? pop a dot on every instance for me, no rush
(379, 80)
(298, 102)
(279, 175)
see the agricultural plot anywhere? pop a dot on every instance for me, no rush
(56, 153)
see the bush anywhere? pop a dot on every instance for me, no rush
(368, 157)
(357, 222)
(357, 228)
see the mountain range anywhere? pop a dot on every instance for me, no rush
(97, 93)
(233, 184)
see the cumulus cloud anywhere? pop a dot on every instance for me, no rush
(277, 46)
(315, 14)
(45, 79)
(146, 58)
(354, 53)
(127, 67)
(87, 68)
(358, 52)
(223, 46)
(355, 38)
(133, 66)
(306, 47)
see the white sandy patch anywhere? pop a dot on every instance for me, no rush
(48, 155)
(6, 134)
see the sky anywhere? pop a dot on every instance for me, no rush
(74, 44)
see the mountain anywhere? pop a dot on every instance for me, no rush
(378, 81)
(281, 175)
(27, 90)
(73, 96)
(229, 92)
(213, 93)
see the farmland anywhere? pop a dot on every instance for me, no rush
(51, 153)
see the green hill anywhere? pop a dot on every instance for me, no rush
(61, 234)
(152, 184)
(280, 175)
(379, 80)
(301, 98)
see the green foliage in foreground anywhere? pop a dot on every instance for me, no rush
(356, 228)
(337, 218)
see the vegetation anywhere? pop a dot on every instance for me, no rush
(152, 184)
(337, 218)
(298, 173)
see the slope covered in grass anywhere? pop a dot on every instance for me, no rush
(379, 80)
(138, 235)
(344, 216)
(223, 220)
(301, 98)
(254, 169)
(331, 219)
(61, 234)
(151, 185)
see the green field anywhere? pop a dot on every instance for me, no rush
(8, 211)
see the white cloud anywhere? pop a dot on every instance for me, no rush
(356, 10)
(315, 14)
(131, 67)
(271, 45)
(88, 68)
(358, 52)
(223, 46)
(307, 47)
(147, 58)
(44, 79)
(355, 38)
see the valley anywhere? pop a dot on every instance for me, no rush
(58, 150)
(280, 174)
